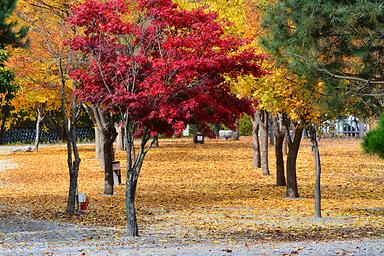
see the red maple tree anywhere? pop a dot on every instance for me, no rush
(160, 68)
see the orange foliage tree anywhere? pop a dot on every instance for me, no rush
(48, 62)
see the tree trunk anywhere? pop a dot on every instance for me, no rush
(72, 153)
(133, 167)
(316, 157)
(279, 139)
(73, 166)
(285, 146)
(100, 145)
(293, 150)
(98, 129)
(37, 132)
(197, 132)
(280, 175)
(69, 125)
(263, 120)
(271, 130)
(97, 143)
(255, 142)
(5, 111)
(107, 134)
(236, 135)
(216, 130)
(108, 167)
(120, 137)
(130, 193)
(194, 131)
(72, 204)
(156, 141)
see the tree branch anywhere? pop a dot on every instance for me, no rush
(351, 78)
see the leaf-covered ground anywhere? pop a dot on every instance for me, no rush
(209, 192)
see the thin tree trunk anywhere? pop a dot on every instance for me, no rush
(101, 144)
(271, 130)
(133, 167)
(292, 190)
(156, 141)
(194, 131)
(236, 135)
(131, 182)
(98, 141)
(120, 137)
(280, 175)
(5, 111)
(293, 150)
(316, 157)
(130, 193)
(216, 130)
(73, 158)
(263, 120)
(73, 166)
(255, 142)
(37, 132)
(72, 152)
(107, 135)
(98, 153)
(285, 146)
(108, 167)
(69, 125)
(72, 204)
(279, 139)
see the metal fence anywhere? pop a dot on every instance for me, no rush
(346, 128)
(27, 136)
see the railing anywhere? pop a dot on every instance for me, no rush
(27, 136)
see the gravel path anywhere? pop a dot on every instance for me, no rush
(96, 245)
(23, 236)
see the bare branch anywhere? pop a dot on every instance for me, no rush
(351, 78)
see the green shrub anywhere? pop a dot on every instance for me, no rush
(245, 126)
(373, 141)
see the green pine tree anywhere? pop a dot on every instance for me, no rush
(337, 42)
(8, 34)
(13, 37)
(321, 39)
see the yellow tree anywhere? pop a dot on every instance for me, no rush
(44, 17)
(282, 94)
(242, 17)
(39, 92)
(53, 60)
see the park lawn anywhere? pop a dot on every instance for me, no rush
(209, 191)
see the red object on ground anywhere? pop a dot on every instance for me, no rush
(84, 205)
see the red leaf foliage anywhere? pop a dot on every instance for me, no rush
(166, 67)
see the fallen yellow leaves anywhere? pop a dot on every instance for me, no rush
(193, 191)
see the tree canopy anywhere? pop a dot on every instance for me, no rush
(160, 68)
(327, 40)
(8, 34)
(11, 36)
